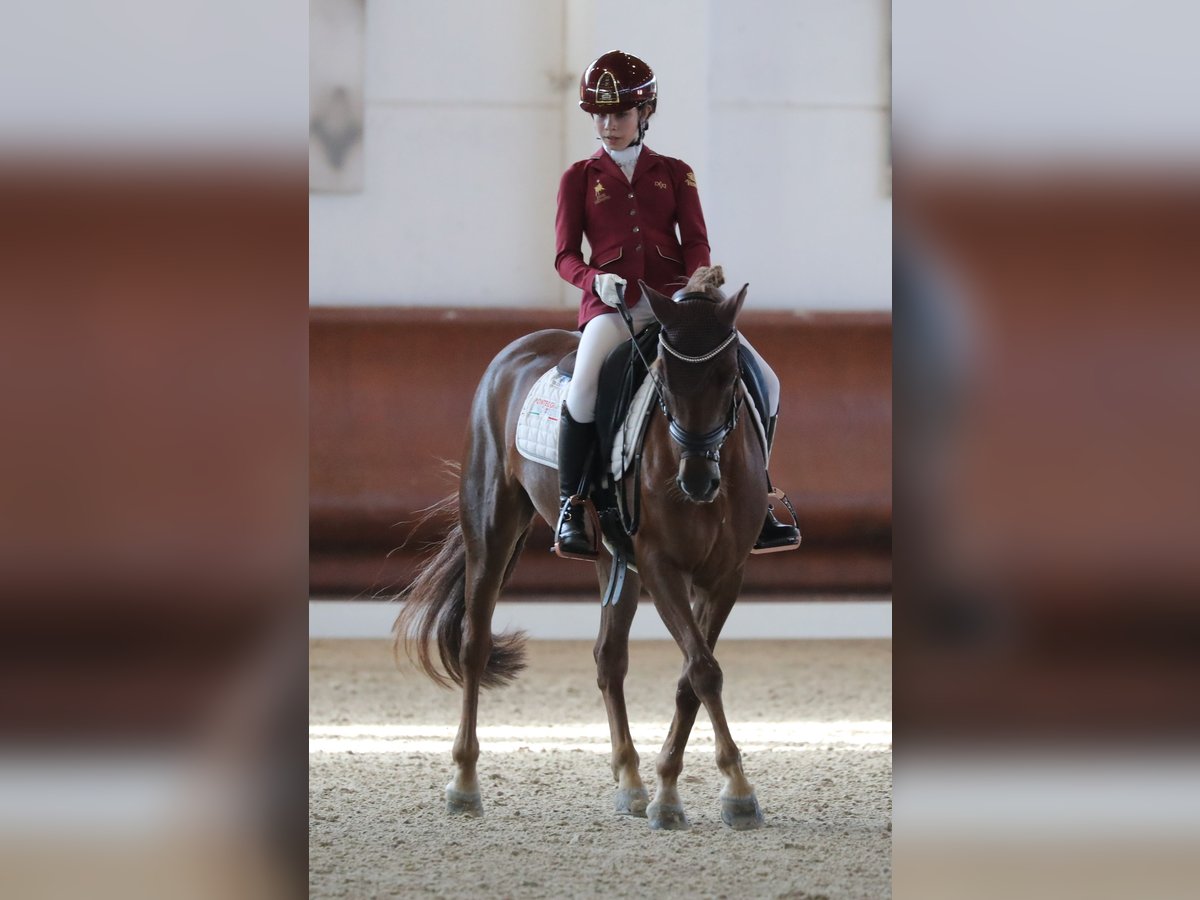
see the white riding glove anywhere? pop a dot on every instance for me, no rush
(606, 287)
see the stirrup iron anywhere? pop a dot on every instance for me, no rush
(576, 505)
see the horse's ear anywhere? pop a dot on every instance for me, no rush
(732, 306)
(664, 307)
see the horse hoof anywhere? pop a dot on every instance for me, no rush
(632, 802)
(459, 803)
(741, 813)
(667, 818)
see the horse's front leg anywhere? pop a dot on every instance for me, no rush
(739, 804)
(696, 634)
(612, 662)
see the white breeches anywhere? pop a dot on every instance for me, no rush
(602, 335)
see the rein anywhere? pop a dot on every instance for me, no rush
(625, 315)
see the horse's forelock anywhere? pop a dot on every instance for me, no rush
(696, 329)
(707, 280)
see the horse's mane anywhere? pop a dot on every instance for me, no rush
(707, 280)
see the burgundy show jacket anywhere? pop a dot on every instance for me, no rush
(629, 226)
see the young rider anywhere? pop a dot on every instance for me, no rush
(628, 201)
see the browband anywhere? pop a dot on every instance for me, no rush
(685, 294)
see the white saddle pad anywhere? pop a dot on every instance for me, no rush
(627, 439)
(537, 426)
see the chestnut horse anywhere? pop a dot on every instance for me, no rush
(704, 494)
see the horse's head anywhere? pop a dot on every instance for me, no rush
(698, 369)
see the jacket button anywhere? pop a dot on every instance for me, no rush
(636, 229)
(633, 212)
(630, 195)
(639, 247)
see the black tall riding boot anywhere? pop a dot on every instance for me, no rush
(575, 443)
(775, 535)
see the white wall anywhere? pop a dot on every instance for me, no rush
(1067, 84)
(799, 200)
(779, 107)
(462, 137)
(157, 80)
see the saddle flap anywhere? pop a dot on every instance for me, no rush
(566, 365)
(756, 385)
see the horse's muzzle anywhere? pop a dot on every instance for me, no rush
(699, 478)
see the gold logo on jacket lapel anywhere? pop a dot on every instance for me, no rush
(691, 179)
(663, 185)
(600, 195)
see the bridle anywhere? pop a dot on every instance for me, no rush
(706, 445)
(691, 444)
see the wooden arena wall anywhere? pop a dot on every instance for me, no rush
(390, 390)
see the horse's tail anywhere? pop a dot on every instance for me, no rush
(435, 604)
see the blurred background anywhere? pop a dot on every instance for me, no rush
(153, 487)
(1046, 586)
(153, 477)
(432, 247)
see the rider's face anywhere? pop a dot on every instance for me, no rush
(617, 129)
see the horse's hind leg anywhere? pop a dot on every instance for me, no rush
(612, 662)
(494, 524)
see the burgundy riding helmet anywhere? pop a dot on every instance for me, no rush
(616, 82)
